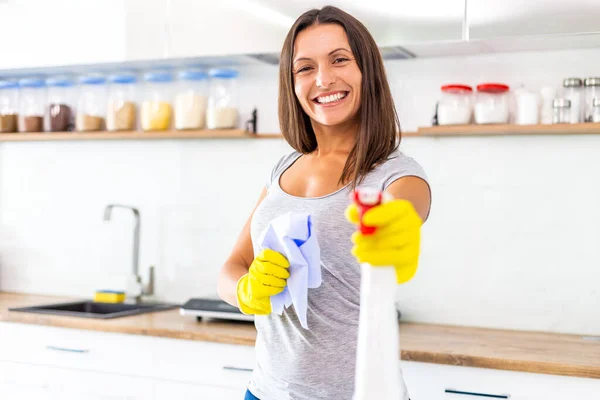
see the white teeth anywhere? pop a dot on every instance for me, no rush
(331, 98)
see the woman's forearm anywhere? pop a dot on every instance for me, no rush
(230, 274)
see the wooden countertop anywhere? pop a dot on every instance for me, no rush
(540, 352)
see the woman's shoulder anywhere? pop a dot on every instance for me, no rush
(397, 165)
(282, 164)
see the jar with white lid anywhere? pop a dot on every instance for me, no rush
(592, 90)
(596, 110)
(573, 91)
(60, 108)
(455, 106)
(32, 101)
(222, 112)
(562, 111)
(157, 107)
(121, 113)
(492, 104)
(191, 100)
(9, 106)
(91, 106)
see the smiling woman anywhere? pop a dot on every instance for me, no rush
(337, 113)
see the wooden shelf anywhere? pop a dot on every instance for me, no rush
(129, 135)
(510, 129)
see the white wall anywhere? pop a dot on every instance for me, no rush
(511, 241)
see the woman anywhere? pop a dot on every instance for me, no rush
(337, 112)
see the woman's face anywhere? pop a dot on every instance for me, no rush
(327, 79)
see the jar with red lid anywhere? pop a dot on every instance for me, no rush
(455, 106)
(492, 104)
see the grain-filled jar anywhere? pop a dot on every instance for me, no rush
(9, 106)
(492, 103)
(157, 109)
(191, 100)
(222, 112)
(91, 107)
(60, 105)
(121, 113)
(455, 106)
(32, 100)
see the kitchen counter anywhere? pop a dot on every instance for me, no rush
(539, 352)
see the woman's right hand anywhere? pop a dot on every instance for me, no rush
(266, 277)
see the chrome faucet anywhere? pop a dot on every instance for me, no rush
(135, 288)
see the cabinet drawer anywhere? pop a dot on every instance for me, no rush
(189, 391)
(79, 349)
(26, 381)
(201, 362)
(443, 382)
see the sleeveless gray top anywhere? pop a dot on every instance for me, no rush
(318, 363)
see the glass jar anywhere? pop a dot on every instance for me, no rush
(191, 100)
(91, 107)
(60, 115)
(455, 106)
(121, 113)
(222, 112)
(592, 90)
(596, 110)
(9, 106)
(157, 110)
(562, 111)
(32, 100)
(491, 103)
(573, 91)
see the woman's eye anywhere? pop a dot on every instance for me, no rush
(340, 59)
(302, 69)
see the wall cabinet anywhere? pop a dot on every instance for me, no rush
(489, 19)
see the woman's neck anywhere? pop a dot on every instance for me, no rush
(335, 139)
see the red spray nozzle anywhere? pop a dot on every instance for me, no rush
(365, 199)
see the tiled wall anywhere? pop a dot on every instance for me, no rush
(511, 241)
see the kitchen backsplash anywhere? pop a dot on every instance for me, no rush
(511, 241)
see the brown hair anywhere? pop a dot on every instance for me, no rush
(379, 124)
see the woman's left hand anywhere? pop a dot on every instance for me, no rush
(396, 240)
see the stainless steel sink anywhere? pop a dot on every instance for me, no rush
(90, 309)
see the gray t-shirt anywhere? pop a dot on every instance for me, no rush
(299, 364)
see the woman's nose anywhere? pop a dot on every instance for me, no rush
(325, 77)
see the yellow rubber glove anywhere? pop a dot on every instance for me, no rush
(266, 277)
(396, 240)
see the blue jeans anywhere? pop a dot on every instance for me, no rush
(250, 396)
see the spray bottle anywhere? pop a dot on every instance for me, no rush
(378, 375)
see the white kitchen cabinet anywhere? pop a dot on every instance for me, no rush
(147, 31)
(34, 357)
(41, 33)
(489, 19)
(427, 381)
(227, 27)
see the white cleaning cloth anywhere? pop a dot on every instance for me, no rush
(292, 235)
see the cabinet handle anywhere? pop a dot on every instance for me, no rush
(487, 395)
(228, 368)
(65, 349)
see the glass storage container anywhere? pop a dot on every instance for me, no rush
(222, 112)
(32, 101)
(491, 104)
(9, 106)
(573, 91)
(60, 114)
(157, 109)
(455, 106)
(562, 111)
(596, 111)
(592, 90)
(191, 100)
(121, 113)
(91, 106)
